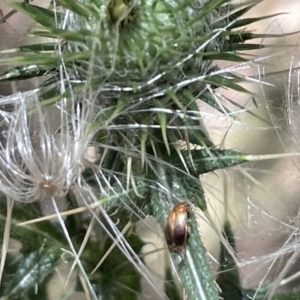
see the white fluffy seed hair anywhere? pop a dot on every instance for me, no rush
(41, 148)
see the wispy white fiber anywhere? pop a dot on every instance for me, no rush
(41, 148)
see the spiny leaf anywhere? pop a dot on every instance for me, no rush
(27, 72)
(31, 235)
(228, 278)
(188, 189)
(66, 35)
(236, 14)
(35, 266)
(222, 81)
(241, 36)
(45, 58)
(32, 48)
(196, 133)
(290, 295)
(43, 16)
(76, 7)
(170, 286)
(206, 9)
(52, 80)
(143, 138)
(223, 56)
(210, 100)
(261, 293)
(204, 161)
(248, 21)
(116, 278)
(162, 119)
(196, 271)
(176, 100)
(244, 47)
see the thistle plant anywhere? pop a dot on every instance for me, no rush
(122, 78)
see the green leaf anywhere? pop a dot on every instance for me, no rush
(194, 271)
(51, 81)
(206, 9)
(223, 56)
(204, 160)
(290, 295)
(236, 14)
(45, 58)
(170, 286)
(261, 293)
(187, 188)
(222, 81)
(66, 35)
(34, 268)
(228, 278)
(33, 48)
(235, 38)
(244, 47)
(143, 135)
(27, 72)
(34, 235)
(43, 16)
(116, 278)
(76, 7)
(248, 21)
(196, 133)
(210, 100)
(162, 119)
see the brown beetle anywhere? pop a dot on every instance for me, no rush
(176, 227)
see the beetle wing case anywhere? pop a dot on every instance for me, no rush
(180, 232)
(169, 235)
(176, 229)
